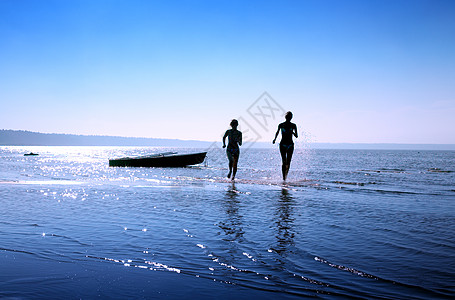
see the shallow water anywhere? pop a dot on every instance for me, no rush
(347, 224)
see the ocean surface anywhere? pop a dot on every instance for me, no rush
(346, 224)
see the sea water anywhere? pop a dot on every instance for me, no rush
(346, 224)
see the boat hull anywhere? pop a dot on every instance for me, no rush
(160, 161)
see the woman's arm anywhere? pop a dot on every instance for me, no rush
(295, 132)
(224, 138)
(276, 134)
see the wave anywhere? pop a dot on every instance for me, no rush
(353, 183)
(259, 280)
(5, 181)
(360, 273)
(437, 170)
(384, 170)
(15, 250)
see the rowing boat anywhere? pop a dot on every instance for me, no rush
(31, 154)
(167, 159)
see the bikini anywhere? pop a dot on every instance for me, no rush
(233, 151)
(287, 147)
(289, 144)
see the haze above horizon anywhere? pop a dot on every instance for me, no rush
(350, 71)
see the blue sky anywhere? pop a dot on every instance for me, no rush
(351, 71)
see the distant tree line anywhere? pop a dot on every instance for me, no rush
(29, 138)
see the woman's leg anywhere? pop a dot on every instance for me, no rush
(283, 160)
(289, 152)
(234, 166)
(231, 162)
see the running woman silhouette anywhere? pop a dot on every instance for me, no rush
(233, 151)
(287, 129)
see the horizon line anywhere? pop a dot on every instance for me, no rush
(213, 141)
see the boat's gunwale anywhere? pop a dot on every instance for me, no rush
(159, 160)
(158, 155)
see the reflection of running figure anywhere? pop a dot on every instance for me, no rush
(287, 144)
(232, 150)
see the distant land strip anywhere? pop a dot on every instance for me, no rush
(30, 138)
